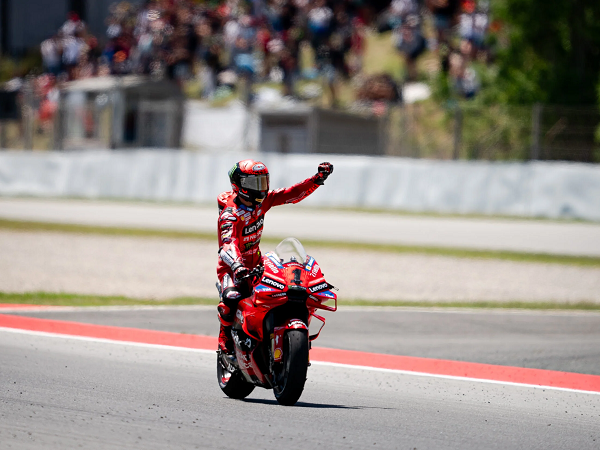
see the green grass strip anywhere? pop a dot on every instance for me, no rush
(60, 299)
(388, 248)
(20, 225)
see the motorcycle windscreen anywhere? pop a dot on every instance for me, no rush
(290, 249)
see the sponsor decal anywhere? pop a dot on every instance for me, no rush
(249, 245)
(245, 363)
(270, 265)
(278, 294)
(260, 288)
(245, 344)
(315, 270)
(239, 315)
(273, 283)
(228, 216)
(258, 167)
(253, 227)
(253, 237)
(277, 354)
(318, 287)
(296, 324)
(254, 249)
(226, 234)
(309, 264)
(275, 261)
(232, 170)
(327, 294)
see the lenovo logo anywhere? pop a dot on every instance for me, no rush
(273, 283)
(318, 287)
(253, 227)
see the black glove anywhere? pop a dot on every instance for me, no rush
(325, 169)
(239, 273)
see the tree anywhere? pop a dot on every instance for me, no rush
(549, 51)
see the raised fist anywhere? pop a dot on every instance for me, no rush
(325, 169)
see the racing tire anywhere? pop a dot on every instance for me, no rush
(291, 381)
(233, 384)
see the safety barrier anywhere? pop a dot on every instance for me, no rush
(534, 189)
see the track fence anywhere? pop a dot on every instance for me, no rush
(494, 133)
(419, 130)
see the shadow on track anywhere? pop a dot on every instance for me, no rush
(309, 405)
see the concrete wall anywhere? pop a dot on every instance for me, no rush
(536, 189)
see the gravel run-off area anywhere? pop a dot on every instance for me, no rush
(164, 268)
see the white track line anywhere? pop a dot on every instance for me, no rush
(319, 363)
(343, 308)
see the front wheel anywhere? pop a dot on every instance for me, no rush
(232, 383)
(290, 381)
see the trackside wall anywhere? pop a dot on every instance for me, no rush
(533, 189)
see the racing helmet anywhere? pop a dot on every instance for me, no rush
(250, 181)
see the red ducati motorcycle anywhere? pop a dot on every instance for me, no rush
(271, 328)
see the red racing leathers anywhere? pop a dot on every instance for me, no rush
(240, 229)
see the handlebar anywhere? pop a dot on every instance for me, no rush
(254, 275)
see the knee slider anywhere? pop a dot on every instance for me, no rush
(225, 314)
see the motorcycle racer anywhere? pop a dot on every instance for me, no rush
(240, 226)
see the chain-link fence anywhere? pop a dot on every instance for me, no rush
(499, 132)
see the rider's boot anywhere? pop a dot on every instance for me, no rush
(227, 307)
(225, 341)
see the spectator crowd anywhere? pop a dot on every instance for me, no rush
(235, 43)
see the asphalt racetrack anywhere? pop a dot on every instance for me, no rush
(563, 341)
(60, 392)
(63, 393)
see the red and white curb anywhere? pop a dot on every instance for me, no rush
(438, 368)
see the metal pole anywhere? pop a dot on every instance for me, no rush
(3, 124)
(57, 131)
(28, 113)
(536, 115)
(457, 132)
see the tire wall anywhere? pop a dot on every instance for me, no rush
(534, 189)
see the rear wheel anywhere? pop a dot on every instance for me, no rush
(290, 381)
(232, 383)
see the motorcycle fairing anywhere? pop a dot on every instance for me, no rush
(245, 345)
(278, 332)
(279, 284)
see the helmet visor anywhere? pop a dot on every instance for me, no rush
(255, 182)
